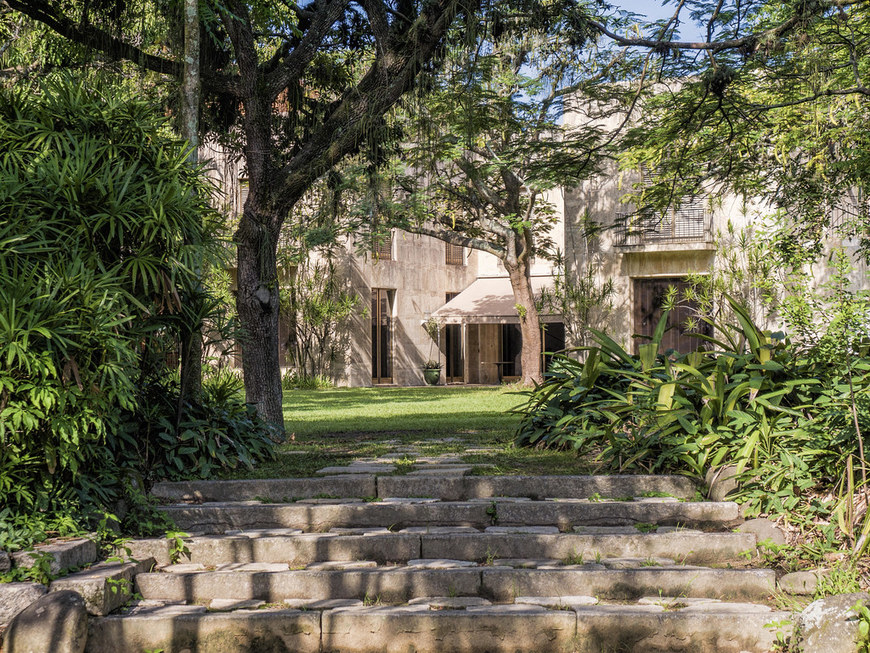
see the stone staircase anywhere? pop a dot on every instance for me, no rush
(436, 559)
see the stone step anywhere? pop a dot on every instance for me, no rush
(273, 489)
(447, 488)
(491, 628)
(694, 548)
(689, 547)
(400, 584)
(219, 517)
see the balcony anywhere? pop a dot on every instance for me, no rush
(689, 227)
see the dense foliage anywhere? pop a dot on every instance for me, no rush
(783, 415)
(103, 228)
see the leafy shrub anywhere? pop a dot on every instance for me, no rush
(103, 224)
(221, 431)
(781, 415)
(293, 380)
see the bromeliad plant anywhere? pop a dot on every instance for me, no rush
(754, 400)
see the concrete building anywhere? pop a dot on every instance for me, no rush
(411, 281)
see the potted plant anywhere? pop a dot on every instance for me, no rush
(432, 372)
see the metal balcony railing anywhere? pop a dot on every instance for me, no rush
(690, 223)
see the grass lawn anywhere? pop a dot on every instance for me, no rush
(439, 410)
(332, 427)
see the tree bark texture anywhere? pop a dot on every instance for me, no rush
(258, 308)
(191, 338)
(530, 320)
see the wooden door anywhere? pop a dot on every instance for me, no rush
(649, 298)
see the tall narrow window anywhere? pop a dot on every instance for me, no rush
(244, 187)
(455, 254)
(454, 371)
(383, 248)
(382, 335)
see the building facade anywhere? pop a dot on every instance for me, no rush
(420, 299)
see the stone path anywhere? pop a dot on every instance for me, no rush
(385, 555)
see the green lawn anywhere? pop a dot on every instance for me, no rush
(441, 410)
(332, 427)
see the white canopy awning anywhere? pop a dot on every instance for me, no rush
(489, 300)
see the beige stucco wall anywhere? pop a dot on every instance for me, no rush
(420, 278)
(597, 201)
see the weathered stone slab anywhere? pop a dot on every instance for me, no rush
(694, 548)
(523, 530)
(471, 630)
(302, 549)
(524, 563)
(450, 602)
(393, 585)
(220, 517)
(268, 631)
(227, 605)
(440, 563)
(63, 555)
(157, 548)
(57, 622)
(537, 487)
(354, 485)
(104, 587)
(150, 606)
(675, 602)
(632, 563)
(252, 566)
(267, 532)
(372, 468)
(802, 583)
(608, 530)
(328, 604)
(15, 597)
(830, 625)
(635, 628)
(556, 602)
(617, 513)
(440, 470)
(5, 562)
(727, 584)
(764, 530)
(439, 530)
(342, 564)
(727, 608)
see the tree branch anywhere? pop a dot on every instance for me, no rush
(343, 131)
(93, 37)
(294, 60)
(712, 46)
(454, 238)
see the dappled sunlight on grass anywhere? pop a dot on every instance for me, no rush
(387, 410)
(333, 427)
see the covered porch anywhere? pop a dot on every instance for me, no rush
(480, 334)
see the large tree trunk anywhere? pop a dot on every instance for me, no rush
(191, 335)
(258, 307)
(530, 323)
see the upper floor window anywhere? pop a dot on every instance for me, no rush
(382, 248)
(691, 221)
(455, 254)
